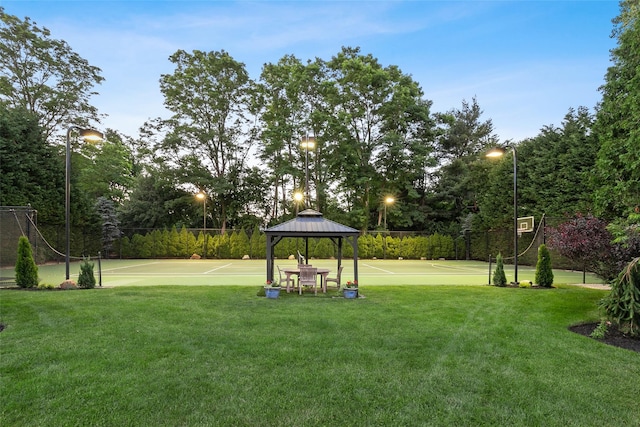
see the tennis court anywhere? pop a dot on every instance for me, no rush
(253, 272)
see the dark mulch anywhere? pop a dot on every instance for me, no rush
(613, 336)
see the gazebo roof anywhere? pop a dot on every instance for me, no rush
(310, 223)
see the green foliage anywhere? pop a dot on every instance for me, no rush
(26, 268)
(600, 332)
(240, 245)
(544, 271)
(31, 171)
(44, 75)
(617, 174)
(86, 279)
(622, 305)
(110, 224)
(499, 278)
(105, 169)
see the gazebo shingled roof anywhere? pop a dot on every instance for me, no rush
(310, 223)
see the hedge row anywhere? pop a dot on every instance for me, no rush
(236, 244)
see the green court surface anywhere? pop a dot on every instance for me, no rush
(253, 272)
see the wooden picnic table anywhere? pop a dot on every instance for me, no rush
(322, 272)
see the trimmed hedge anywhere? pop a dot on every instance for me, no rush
(234, 245)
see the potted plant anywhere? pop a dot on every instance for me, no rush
(350, 290)
(271, 289)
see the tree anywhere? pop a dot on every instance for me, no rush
(617, 178)
(105, 169)
(462, 138)
(110, 224)
(583, 239)
(555, 167)
(44, 75)
(284, 114)
(26, 268)
(622, 305)
(544, 271)
(369, 114)
(499, 278)
(31, 171)
(209, 136)
(156, 202)
(86, 279)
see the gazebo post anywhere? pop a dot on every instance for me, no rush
(269, 259)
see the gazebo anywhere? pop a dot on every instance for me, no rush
(310, 223)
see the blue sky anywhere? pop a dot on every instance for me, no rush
(526, 62)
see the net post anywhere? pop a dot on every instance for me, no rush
(489, 269)
(100, 268)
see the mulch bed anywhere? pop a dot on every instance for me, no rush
(613, 336)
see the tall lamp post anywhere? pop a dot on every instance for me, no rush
(499, 152)
(297, 198)
(202, 196)
(90, 135)
(308, 143)
(387, 201)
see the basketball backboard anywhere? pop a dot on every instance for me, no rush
(525, 224)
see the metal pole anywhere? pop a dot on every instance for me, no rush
(100, 268)
(89, 134)
(306, 181)
(515, 214)
(67, 200)
(385, 215)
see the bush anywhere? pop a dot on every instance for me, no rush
(26, 268)
(86, 279)
(544, 272)
(622, 305)
(499, 278)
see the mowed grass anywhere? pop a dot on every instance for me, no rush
(219, 355)
(207, 272)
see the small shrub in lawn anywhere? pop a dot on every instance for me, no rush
(86, 279)
(524, 284)
(499, 278)
(544, 272)
(622, 305)
(601, 330)
(46, 286)
(26, 268)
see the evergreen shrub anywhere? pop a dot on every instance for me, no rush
(622, 305)
(544, 272)
(86, 279)
(499, 278)
(26, 268)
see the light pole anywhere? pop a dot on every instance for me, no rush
(298, 197)
(499, 152)
(308, 143)
(202, 196)
(88, 135)
(387, 201)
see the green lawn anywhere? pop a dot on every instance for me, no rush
(220, 355)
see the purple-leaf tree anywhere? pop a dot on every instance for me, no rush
(585, 240)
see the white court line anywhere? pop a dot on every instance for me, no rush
(130, 266)
(218, 268)
(376, 268)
